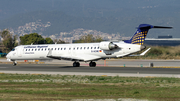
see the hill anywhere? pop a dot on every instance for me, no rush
(103, 15)
(61, 22)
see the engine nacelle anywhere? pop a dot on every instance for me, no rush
(106, 45)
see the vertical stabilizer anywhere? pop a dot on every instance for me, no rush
(141, 33)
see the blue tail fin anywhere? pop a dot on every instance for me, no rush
(140, 35)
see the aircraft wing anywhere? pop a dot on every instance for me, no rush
(76, 58)
(80, 57)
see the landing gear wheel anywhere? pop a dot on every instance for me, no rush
(14, 63)
(76, 64)
(92, 64)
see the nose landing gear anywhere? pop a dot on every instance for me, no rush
(14, 63)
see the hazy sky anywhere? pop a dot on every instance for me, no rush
(158, 12)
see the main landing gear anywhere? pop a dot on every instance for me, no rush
(91, 64)
(76, 64)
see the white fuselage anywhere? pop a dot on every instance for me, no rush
(81, 50)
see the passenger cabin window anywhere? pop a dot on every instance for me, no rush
(35, 49)
(77, 48)
(32, 49)
(29, 49)
(91, 47)
(69, 48)
(38, 49)
(81, 48)
(98, 48)
(94, 47)
(48, 48)
(58, 48)
(13, 49)
(64, 48)
(84, 47)
(42, 49)
(61, 48)
(51, 48)
(55, 49)
(87, 47)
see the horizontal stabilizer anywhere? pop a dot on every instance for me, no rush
(147, 26)
(162, 27)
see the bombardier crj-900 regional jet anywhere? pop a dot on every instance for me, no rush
(86, 52)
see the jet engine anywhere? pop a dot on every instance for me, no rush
(106, 45)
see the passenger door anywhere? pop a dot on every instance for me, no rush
(19, 51)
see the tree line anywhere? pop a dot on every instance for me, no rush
(10, 41)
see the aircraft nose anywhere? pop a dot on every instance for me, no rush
(8, 56)
(142, 47)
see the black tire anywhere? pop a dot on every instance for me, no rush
(78, 64)
(92, 64)
(14, 64)
(74, 64)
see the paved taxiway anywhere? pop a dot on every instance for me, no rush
(85, 70)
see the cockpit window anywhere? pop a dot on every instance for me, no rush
(13, 50)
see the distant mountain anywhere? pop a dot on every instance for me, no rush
(60, 22)
(117, 16)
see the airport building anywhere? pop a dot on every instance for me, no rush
(162, 41)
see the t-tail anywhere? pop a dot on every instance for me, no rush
(141, 33)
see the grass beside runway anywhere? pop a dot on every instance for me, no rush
(66, 87)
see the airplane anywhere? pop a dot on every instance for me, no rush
(84, 52)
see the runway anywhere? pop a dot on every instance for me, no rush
(86, 70)
(118, 62)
